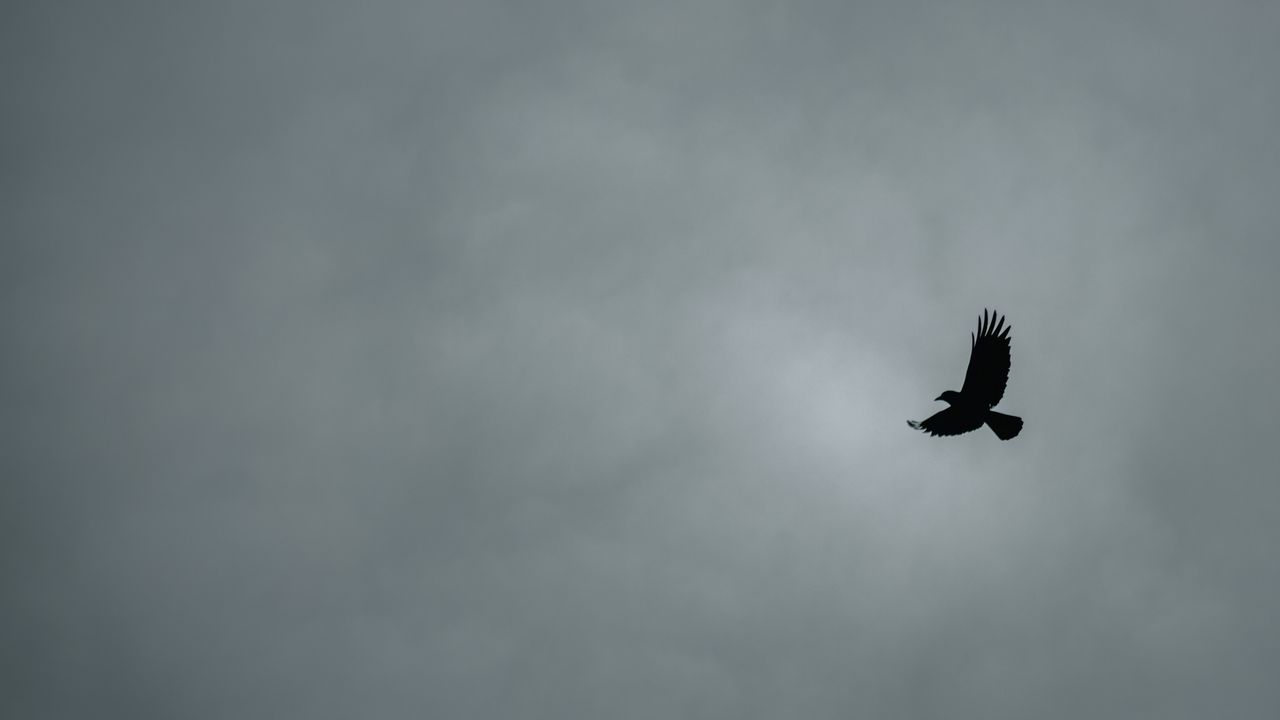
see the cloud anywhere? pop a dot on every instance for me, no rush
(553, 361)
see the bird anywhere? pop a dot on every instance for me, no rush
(984, 384)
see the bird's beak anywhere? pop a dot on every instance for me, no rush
(938, 399)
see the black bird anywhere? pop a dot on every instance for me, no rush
(983, 387)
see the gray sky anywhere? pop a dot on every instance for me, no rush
(550, 359)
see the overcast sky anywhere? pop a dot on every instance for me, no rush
(551, 359)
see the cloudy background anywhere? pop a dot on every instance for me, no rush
(551, 359)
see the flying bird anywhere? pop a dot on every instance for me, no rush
(984, 384)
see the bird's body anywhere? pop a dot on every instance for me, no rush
(984, 384)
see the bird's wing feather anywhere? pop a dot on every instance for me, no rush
(988, 372)
(951, 421)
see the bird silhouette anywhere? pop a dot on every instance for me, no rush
(984, 384)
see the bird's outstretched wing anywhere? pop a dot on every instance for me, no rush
(988, 371)
(951, 421)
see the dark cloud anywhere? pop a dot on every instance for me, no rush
(552, 361)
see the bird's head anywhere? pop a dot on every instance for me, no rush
(950, 396)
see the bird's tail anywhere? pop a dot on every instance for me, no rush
(1004, 426)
